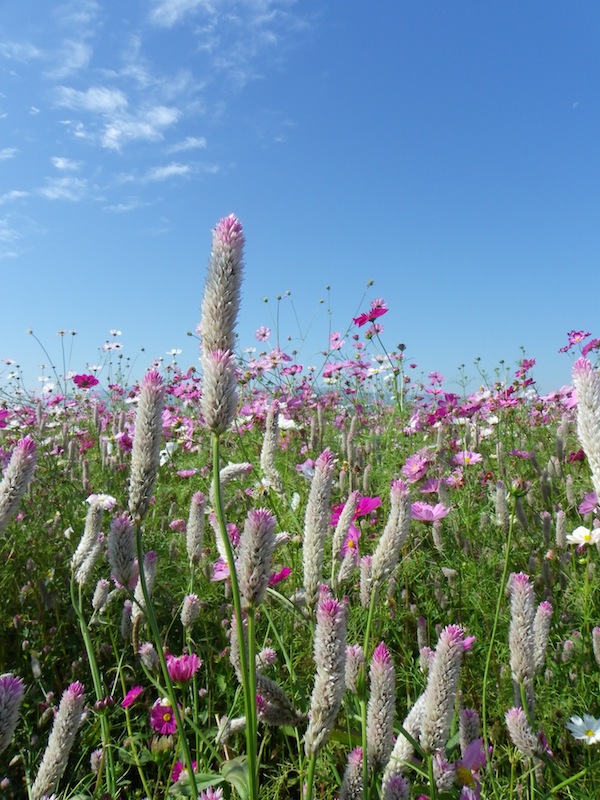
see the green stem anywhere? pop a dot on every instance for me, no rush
(310, 776)
(488, 659)
(245, 667)
(151, 619)
(99, 691)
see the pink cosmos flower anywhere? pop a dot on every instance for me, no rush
(467, 457)
(187, 473)
(263, 333)
(467, 770)
(378, 309)
(428, 513)
(182, 668)
(415, 467)
(180, 771)
(162, 718)
(593, 344)
(178, 525)
(335, 341)
(131, 696)
(588, 504)
(277, 577)
(85, 381)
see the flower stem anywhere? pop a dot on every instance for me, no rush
(248, 680)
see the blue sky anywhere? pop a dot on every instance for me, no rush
(449, 151)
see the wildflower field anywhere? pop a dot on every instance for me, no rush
(260, 580)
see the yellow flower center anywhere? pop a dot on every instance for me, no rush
(590, 732)
(465, 777)
(166, 717)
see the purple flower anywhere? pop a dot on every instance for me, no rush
(182, 668)
(11, 695)
(162, 718)
(428, 513)
(589, 503)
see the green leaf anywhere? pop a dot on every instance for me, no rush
(235, 772)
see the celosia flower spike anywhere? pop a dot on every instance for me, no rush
(316, 521)
(145, 455)
(255, 556)
(381, 708)
(17, 477)
(60, 743)
(12, 689)
(587, 383)
(330, 661)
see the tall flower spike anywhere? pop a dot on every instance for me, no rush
(60, 743)
(523, 738)
(256, 551)
(220, 307)
(121, 552)
(381, 708)
(16, 479)
(440, 692)
(222, 291)
(270, 447)
(195, 528)
(145, 455)
(352, 782)
(316, 521)
(394, 534)
(12, 689)
(520, 636)
(343, 524)
(330, 661)
(403, 749)
(587, 383)
(541, 632)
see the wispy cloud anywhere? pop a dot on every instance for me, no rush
(166, 13)
(19, 51)
(97, 99)
(14, 194)
(131, 204)
(189, 143)
(68, 188)
(72, 56)
(8, 152)
(147, 125)
(62, 163)
(171, 170)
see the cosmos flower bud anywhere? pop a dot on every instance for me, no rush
(330, 662)
(12, 689)
(17, 477)
(381, 708)
(316, 523)
(60, 742)
(255, 555)
(145, 454)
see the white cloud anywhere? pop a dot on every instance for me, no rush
(98, 99)
(7, 232)
(189, 143)
(167, 13)
(129, 205)
(147, 125)
(14, 194)
(72, 57)
(169, 171)
(72, 189)
(19, 51)
(65, 163)
(8, 152)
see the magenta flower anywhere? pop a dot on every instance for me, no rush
(85, 381)
(378, 309)
(364, 506)
(593, 344)
(179, 771)
(162, 718)
(277, 577)
(428, 513)
(588, 504)
(574, 337)
(467, 768)
(131, 696)
(182, 668)
(178, 525)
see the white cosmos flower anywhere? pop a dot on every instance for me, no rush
(583, 535)
(587, 728)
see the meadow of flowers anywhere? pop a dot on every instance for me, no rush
(260, 580)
